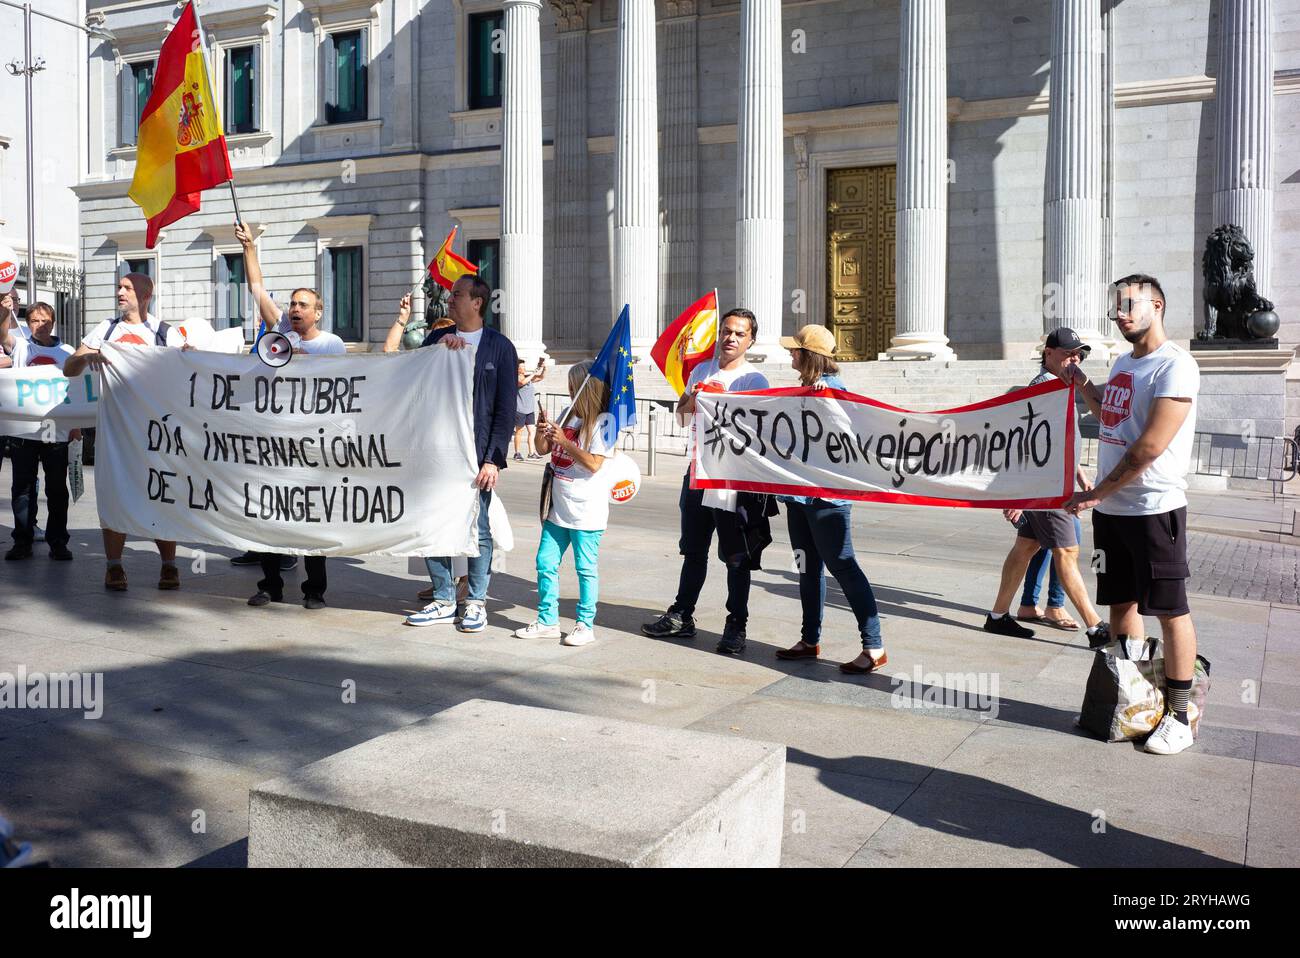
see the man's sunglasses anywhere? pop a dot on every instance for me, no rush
(1126, 304)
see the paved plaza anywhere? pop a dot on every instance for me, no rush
(205, 697)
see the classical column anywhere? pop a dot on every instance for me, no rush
(921, 263)
(1243, 179)
(636, 173)
(521, 167)
(680, 121)
(569, 275)
(1072, 255)
(760, 168)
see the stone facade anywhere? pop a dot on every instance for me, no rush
(425, 161)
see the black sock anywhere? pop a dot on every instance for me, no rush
(1177, 692)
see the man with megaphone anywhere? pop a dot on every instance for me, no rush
(301, 323)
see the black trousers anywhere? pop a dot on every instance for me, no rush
(313, 587)
(26, 456)
(698, 525)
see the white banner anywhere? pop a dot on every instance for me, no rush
(329, 455)
(1015, 451)
(40, 400)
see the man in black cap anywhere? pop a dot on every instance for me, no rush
(1051, 529)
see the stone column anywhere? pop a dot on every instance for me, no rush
(569, 167)
(680, 121)
(921, 264)
(521, 167)
(636, 173)
(1072, 255)
(1243, 180)
(760, 168)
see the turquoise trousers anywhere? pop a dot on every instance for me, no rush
(586, 553)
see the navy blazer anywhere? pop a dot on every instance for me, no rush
(496, 390)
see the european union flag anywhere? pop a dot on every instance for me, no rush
(614, 365)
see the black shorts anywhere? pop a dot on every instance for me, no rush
(525, 419)
(1142, 559)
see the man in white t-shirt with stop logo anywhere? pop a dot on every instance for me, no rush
(39, 347)
(1148, 421)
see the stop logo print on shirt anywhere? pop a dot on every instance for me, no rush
(1117, 401)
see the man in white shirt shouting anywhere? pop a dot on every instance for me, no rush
(301, 323)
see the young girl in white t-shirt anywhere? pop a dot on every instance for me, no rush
(579, 507)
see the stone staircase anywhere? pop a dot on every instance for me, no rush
(907, 384)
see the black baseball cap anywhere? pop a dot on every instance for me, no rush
(1067, 338)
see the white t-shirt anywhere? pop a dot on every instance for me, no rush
(323, 344)
(28, 352)
(132, 334)
(579, 497)
(1134, 385)
(739, 379)
(473, 338)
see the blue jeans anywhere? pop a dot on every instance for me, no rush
(1034, 576)
(550, 550)
(697, 537)
(480, 566)
(821, 535)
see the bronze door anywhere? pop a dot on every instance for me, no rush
(860, 260)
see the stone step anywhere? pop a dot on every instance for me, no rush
(488, 784)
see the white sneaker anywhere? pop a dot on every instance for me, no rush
(538, 631)
(1170, 737)
(436, 613)
(581, 635)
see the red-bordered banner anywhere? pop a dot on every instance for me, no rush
(1015, 451)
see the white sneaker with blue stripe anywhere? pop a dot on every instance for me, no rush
(435, 613)
(474, 618)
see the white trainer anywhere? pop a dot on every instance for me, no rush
(538, 631)
(1170, 737)
(436, 613)
(581, 635)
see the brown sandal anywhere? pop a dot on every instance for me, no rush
(1065, 625)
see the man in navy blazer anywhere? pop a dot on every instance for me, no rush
(496, 390)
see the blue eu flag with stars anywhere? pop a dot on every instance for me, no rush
(614, 365)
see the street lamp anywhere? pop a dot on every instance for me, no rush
(27, 68)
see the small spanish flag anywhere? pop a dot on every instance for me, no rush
(688, 341)
(447, 267)
(180, 150)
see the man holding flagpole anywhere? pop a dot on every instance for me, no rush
(728, 371)
(495, 392)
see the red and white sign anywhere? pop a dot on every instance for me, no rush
(8, 269)
(1013, 451)
(1117, 400)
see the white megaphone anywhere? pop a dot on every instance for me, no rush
(274, 349)
(8, 269)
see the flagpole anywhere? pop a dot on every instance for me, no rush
(207, 68)
(717, 323)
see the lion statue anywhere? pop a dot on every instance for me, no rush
(1231, 299)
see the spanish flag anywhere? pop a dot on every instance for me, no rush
(447, 267)
(688, 341)
(180, 150)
